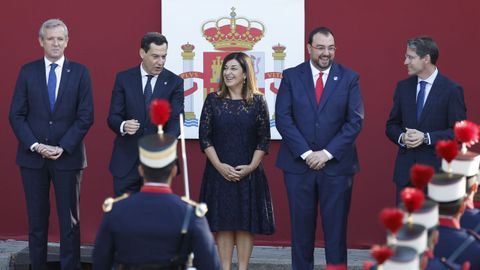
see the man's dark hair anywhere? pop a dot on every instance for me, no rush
(322, 30)
(152, 37)
(450, 208)
(423, 46)
(158, 175)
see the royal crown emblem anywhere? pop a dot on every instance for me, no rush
(234, 33)
(227, 34)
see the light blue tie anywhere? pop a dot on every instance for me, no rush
(52, 85)
(420, 99)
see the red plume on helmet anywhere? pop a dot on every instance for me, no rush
(381, 253)
(447, 150)
(466, 132)
(392, 218)
(412, 198)
(420, 175)
(160, 112)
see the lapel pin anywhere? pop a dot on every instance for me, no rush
(68, 70)
(335, 78)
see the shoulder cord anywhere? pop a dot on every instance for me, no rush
(175, 261)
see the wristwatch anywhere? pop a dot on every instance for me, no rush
(425, 138)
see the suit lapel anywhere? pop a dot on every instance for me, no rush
(409, 95)
(62, 88)
(332, 81)
(308, 84)
(135, 83)
(432, 97)
(41, 75)
(160, 89)
(160, 85)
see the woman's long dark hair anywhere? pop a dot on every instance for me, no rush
(249, 87)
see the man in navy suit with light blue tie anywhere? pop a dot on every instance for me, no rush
(425, 109)
(50, 114)
(319, 113)
(129, 115)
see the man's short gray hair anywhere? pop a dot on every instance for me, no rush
(52, 23)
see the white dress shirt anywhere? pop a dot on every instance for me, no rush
(58, 71)
(428, 86)
(315, 74)
(144, 74)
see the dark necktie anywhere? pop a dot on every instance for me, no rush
(147, 92)
(420, 99)
(52, 85)
(319, 87)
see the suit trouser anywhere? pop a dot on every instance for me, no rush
(130, 183)
(36, 185)
(333, 194)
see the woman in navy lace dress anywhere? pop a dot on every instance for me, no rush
(235, 135)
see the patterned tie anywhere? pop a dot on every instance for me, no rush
(319, 87)
(147, 92)
(52, 85)
(420, 99)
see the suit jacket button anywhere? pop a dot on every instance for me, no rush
(50, 123)
(46, 139)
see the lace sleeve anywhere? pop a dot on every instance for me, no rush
(263, 124)
(206, 128)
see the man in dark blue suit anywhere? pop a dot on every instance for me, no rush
(129, 117)
(414, 126)
(154, 228)
(50, 114)
(319, 113)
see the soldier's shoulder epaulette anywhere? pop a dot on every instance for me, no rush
(108, 203)
(200, 208)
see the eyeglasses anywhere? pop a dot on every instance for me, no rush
(330, 49)
(410, 57)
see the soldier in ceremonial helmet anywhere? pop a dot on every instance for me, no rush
(455, 244)
(154, 228)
